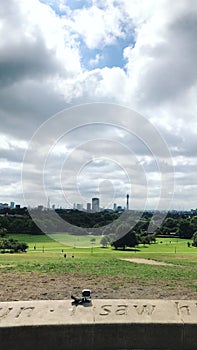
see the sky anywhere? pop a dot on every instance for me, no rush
(98, 98)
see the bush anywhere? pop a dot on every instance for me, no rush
(12, 246)
(195, 239)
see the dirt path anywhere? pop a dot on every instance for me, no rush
(147, 261)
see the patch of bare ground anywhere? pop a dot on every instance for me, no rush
(146, 261)
(34, 286)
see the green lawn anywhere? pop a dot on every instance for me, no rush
(42, 247)
(97, 261)
(74, 241)
(58, 240)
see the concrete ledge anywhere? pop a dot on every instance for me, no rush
(106, 324)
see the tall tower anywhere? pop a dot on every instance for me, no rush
(12, 205)
(127, 202)
(95, 205)
(48, 203)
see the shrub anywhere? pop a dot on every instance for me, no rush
(12, 246)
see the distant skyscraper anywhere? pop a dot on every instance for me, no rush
(115, 206)
(127, 202)
(79, 206)
(12, 205)
(88, 206)
(95, 205)
(48, 203)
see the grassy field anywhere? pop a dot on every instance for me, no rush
(83, 245)
(97, 262)
(76, 241)
(44, 250)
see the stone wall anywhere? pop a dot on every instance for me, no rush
(103, 324)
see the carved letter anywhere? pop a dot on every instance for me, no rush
(184, 309)
(145, 309)
(73, 310)
(122, 310)
(29, 310)
(6, 312)
(106, 309)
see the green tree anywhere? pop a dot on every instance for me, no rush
(185, 228)
(194, 223)
(169, 225)
(128, 240)
(104, 241)
(3, 232)
(195, 239)
(148, 239)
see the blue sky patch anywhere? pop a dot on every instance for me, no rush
(103, 56)
(72, 4)
(78, 4)
(53, 4)
(110, 55)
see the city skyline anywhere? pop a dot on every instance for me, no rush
(88, 206)
(94, 206)
(136, 55)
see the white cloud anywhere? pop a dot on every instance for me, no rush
(41, 69)
(35, 42)
(94, 61)
(108, 84)
(98, 26)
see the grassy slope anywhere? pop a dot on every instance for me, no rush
(98, 261)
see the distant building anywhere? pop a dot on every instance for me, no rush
(5, 205)
(79, 206)
(95, 205)
(12, 205)
(127, 206)
(120, 209)
(40, 207)
(115, 207)
(48, 203)
(88, 207)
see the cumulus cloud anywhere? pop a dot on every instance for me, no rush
(98, 26)
(58, 53)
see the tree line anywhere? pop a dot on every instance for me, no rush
(126, 229)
